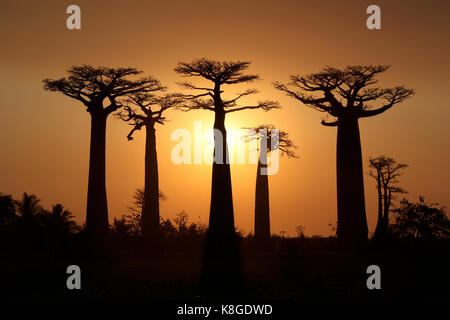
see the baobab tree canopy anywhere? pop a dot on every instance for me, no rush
(92, 85)
(220, 73)
(141, 109)
(280, 142)
(348, 91)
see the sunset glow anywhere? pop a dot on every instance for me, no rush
(45, 133)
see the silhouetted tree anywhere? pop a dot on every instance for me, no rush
(167, 228)
(300, 232)
(101, 90)
(27, 227)
(221, 220)
(121, 227)
(221, 269)
(421, 220)
(29, 208)
(7, 209)
(134, 219)
(181, 221)
(347, 95)
(270, 139)
(59, 221)
(386, 172)
(146, 110)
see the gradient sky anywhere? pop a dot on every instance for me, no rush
(45, 136)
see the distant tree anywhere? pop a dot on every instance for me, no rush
(270, 139)
(421, 220)
(146, 110)
(347, 95)
(300, 232)
(181, 221)
(121, 227)
(29, 208)
(135, 216)
(386, 172)
(167, 228)
(7, 209)
(138, 200)
(221, 231)
(101, 90)
(196, 229)
(333, 229)
(28, 224)
(59, 221)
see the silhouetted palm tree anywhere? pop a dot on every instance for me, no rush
(28, 225)
(28, 208)
(7, 209)
(59, 220)
(347, 95)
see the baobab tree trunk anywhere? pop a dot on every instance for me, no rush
(97, 208)
(222, 266)
(262, 215)
(379, 227)
(221, 216)
(352, 224)
(150, 210)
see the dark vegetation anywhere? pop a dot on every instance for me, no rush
(39, 244)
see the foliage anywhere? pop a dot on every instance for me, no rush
(421, 220)
(345, 91)
(7, 209)
(59, 220)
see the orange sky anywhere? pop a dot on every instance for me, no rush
(45, 136)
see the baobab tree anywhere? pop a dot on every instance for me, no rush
(270, 139)
(386, 172)
(220, 73)
(347, 95)
(222, 266)
(146, 110)
(101, 90)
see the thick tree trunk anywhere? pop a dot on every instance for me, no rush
(97, 208)
(222, 267)
(150, 210)
(221, 216)
(352, 224)
(262, 215)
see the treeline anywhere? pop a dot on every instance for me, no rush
(26, 219)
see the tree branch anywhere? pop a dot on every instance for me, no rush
(264, 105)
(329, 124)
